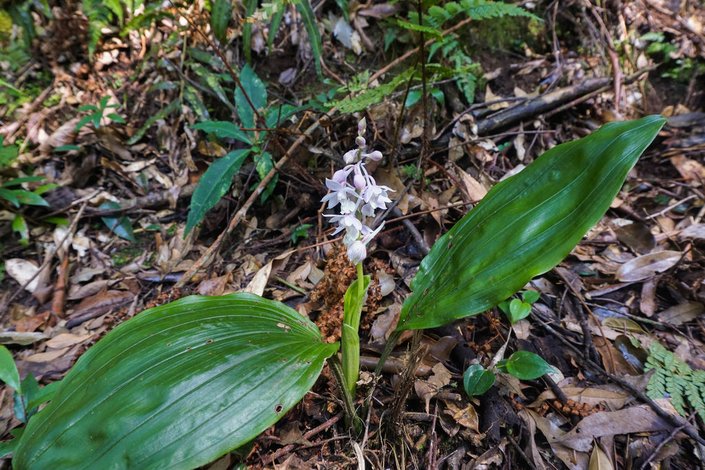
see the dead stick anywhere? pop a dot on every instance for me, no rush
(317, 430)
(547, 103)
(59, 297)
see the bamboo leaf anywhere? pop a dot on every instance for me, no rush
(220, 17)
(213, 185)
(223, 130)
(177, 386)
(257, 93)
(525, 225)
(314, 36)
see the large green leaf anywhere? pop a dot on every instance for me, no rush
(525, 225)
(213, 185)
(177, 386)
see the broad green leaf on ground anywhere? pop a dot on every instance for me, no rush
(223, 130)
(525, 225)
(477, 380)
(8, 370)
(177, 386)
(256, 91)
(213, 185)
(119, 225)
(221, 12)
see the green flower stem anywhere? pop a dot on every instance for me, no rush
(354, 300)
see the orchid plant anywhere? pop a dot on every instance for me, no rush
(357, 196)
(184, 383)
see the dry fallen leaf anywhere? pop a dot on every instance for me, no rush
(22, 270)
(681, 313)
(259, 282)
(609, 423)
(599, 460)
(695, 231)
(691, 170)
(643, 267)
(464, 416)
(64, 340)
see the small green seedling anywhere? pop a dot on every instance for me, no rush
(300, 232)
(13, 192)
(523, 365)
(477, 380)
(518, 309)
(97, 114)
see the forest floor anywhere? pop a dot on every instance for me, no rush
(110, 241)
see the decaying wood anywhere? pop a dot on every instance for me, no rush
(548, 102)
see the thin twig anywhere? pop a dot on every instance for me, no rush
(663, 443)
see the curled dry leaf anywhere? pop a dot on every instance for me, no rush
(464, 416)
(643, 267)
(259, 282)
(24, 272)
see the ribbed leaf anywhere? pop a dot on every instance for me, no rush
(525, 225)
(177, 386)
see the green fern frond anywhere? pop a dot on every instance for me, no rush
(486, 9)
(371, 96)
(675, 379)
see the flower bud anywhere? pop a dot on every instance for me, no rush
(375, 156)
(357, 252)
(360, 141)
(361, 126)
(359, 182)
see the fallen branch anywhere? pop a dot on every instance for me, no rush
(548, 102)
